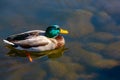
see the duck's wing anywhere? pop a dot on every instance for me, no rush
(33, 42)
(25, 35)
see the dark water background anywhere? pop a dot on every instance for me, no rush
(93, 43)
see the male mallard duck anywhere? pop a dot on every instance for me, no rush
(38, 40)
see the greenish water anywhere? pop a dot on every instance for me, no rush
(93, 44)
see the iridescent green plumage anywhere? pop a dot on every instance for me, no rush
(52, 31)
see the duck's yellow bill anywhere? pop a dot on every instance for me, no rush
(62, 31)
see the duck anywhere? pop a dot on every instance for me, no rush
(38, 40)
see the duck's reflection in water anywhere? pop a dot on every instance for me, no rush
(52, 54)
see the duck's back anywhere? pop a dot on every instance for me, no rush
(25, 35)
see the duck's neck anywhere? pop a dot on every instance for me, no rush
(52, 33)
(59, 37)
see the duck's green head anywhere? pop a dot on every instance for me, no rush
(54, 30)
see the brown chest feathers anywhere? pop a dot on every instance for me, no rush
(60, 41)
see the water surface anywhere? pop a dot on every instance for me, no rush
(93, 43)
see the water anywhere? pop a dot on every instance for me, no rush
(93, 43)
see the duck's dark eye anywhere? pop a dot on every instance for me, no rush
(58, 28)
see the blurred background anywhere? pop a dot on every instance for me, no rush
(93, 43)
